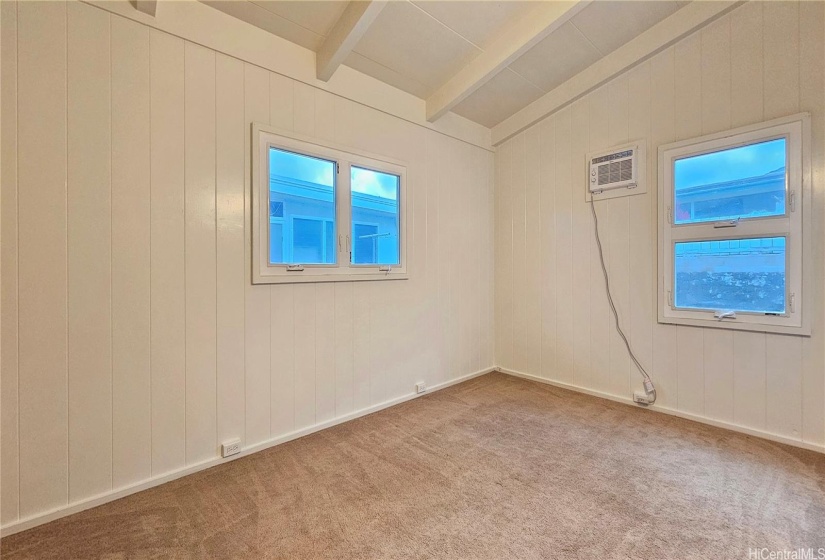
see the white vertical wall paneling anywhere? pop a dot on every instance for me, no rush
(184, 351)
(534, 240)
(783, 415)
(582, 226)
(690, 369)
(547, 258)
(746, 64)
(9, 409)
(688, 100)
(642, 270)
(343, 348)
(812, 50)
(718, 368)
(303, 106)
(501, 223)
(449, 268)
(283, 358)
(324, 115)
(89, 251)
(780, 47)
(42, 253)
(201, 279)
(716, 116)
(446, 298)
(504, 256)
(230, 131)
(760, 61)
(362, 345)
(487, 225)
(464, 254)
(749, 379)
(616, 241)
(168, 308)
(564, 248)
(781, 51)
(433, 265)
(281, 102)
(131, 382)
(305, 364)
(716, 76)
(324, 352)
(519, 209)
(662, 130)
(600, 320)
(257, 316)
(282, 303)
(476, 192)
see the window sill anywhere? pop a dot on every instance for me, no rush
(309, 276)
(804, 330)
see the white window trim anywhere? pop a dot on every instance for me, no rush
(264, 136)
(794, 225)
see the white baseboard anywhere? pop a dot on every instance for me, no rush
(100, 499)
(672, 411)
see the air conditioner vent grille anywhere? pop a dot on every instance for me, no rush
(615, 171)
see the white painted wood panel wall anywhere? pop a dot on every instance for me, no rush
(761, 61)
(133, 343)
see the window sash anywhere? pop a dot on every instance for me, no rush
(343, 269)
(790, 225)
(758, 316)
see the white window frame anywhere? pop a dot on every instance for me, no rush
(794, 225)
(263, 272)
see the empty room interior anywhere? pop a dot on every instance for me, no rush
(412, 279)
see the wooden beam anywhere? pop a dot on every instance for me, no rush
(662, 35)
(148, 7)
(344, 35)
(514, 41)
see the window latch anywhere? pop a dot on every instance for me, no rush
(727, 314)
(385, 268)
(294, 268)
(727, 223)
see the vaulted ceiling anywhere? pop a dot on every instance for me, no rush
(484, 60)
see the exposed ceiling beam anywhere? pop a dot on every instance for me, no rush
(148, 7)
(665, 33)
(513, 41)
(344, 35)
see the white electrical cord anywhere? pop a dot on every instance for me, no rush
(648, 383)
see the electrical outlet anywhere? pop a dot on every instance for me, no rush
(232, 447)
(420, 387)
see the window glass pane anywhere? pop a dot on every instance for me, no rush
(733, 274)
(374, 217)
(364, 246)
(302, 197)
(743, 182)
(276, 242)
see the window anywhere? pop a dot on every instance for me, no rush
(374, 199)
(324, 213)
(732, 244)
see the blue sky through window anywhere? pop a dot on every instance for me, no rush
(729, 165)
(374, 183)
(303, 168)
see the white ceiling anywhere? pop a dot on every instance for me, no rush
(417, 46)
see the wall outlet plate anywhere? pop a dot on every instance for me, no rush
(231, 447)
(420, 387)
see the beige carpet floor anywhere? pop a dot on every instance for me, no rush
(493, 468)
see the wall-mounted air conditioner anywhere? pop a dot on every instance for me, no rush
(617, 172)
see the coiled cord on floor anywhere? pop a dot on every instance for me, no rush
(648, 383)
